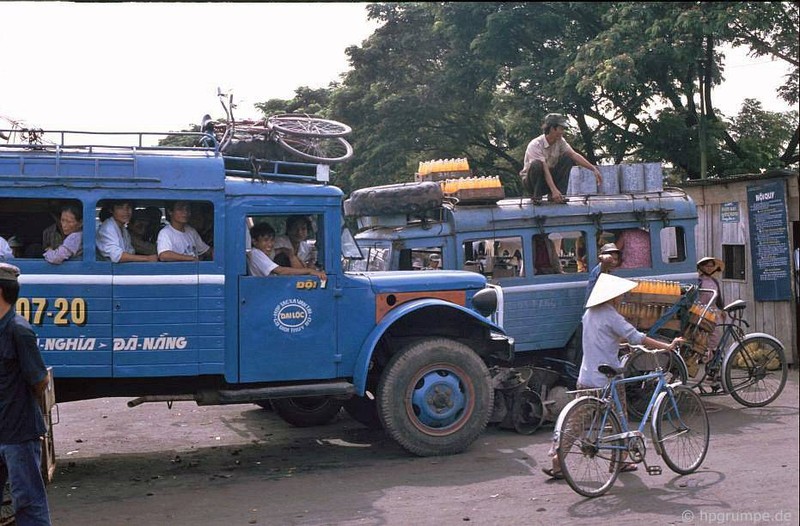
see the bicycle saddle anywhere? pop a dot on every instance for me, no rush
(609, 370)
(735, 306)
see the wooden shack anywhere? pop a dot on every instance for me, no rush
(752, 223)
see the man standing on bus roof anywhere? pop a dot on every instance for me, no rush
(178, 241)
(23, 379)
(549, 159)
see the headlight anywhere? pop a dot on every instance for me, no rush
(485, 301)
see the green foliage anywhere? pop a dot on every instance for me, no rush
(463, 79)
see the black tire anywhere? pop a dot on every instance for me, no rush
(307, 125)
(682, 435)
(527, 412)
(326, 150)
(435, 397)
(403, 198)
(307, 411)
(590, 470)
(364, 411)
(756, 371)
(638, 394)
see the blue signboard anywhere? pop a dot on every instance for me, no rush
(729, 212)
(769, 241)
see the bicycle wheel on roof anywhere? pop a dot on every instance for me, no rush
(317, 149)
(307, 125)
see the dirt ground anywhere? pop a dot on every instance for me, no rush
(233, 465)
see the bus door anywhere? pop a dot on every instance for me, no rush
(287, 323)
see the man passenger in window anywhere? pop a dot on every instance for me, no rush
(178, 241)
(259, 261)
(113, 239)
(71, 221)
(138, 229)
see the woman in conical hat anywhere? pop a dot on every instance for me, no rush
(603, 330)
(706, 268)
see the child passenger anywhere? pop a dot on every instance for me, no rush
(71, 222)
(259, 261)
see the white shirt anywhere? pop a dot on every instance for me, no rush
(5, 250)
(260, 264)
(303, 250)
(540, 150)
(113, 240)
(603, 329)
(188, 242)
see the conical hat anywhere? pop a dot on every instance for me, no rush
(719, 264)
(607, 288)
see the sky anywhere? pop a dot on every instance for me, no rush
(157, 66)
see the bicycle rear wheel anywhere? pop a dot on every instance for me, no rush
(590, 463)
(317, 149)
(307, 125)
(756, 371)
(682, 430)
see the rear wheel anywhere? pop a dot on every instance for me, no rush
(308, 126)
(435, 397)
(590, 464)
(317, 149)
(307, 411)
(682, 430)
(756, 371)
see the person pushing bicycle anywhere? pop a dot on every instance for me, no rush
(603, 330)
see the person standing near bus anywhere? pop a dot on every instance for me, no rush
(23, 379)
(113, 239)
(178, 241)
(549, 159)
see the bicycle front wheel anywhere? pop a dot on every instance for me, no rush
(682, 430)
(317, 149)
(307, 125)
(756, 371)
(589, 462)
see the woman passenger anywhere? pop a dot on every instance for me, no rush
(299, 252)
(71, 222)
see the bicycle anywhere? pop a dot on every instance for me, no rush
(752, 367)
(593, 432)
(308, 137)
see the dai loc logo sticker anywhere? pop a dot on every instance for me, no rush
(292, 315)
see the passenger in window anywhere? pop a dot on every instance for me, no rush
(434, 262)
(113, 239)
(138, 229)
(178, 241)
(71, 221)
(608, 260)
(635, 247)
(52, 236)
(294, 244)
(202, 220)
(545, 260)
(260, 262)
(5, 250)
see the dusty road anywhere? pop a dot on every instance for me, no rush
(240, 465)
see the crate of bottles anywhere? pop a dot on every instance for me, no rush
(649, 301)
(474, 189)
(441, 169)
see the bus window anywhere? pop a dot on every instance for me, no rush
(32, 226)
(495, 258)
(570, 248)
(673, 244)
(634, 246)
(295, 240)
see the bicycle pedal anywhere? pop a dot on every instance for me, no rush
(654, 470)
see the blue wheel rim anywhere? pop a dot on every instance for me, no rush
(438, 399)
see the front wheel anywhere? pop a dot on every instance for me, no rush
(756, 371)
(308, 125)
(682, 430)
(317, 149)
(435, 397)
(589, 462)
(307, 411)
